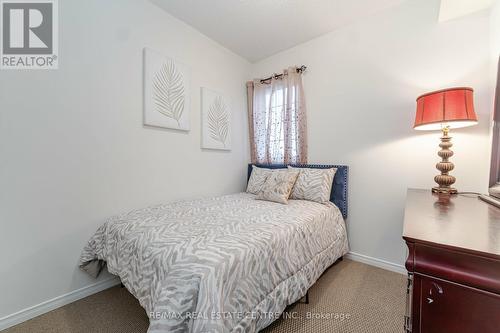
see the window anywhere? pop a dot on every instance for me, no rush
(279, 120)
(278, 123)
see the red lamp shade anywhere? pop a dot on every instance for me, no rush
(448, 107)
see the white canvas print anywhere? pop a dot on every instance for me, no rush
(166, 92)
(215, 120)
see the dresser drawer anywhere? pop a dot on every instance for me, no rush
(457, 266)
(450, 307)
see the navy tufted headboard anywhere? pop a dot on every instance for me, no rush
(339, 188)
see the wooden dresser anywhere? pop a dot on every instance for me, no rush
(453, 264)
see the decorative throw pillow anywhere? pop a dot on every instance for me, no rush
(313, 184)
(257, 179)
(278, 186)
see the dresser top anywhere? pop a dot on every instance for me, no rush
(460, 221)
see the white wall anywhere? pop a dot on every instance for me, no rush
(73, 150)
(361, 86)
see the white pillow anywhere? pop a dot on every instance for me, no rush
(278, 186)
(257, 179)
(313, 184)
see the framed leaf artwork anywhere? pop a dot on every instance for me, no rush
(215, 120)
(166, 92)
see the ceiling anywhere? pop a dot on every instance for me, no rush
(452, 9)
(256, 29)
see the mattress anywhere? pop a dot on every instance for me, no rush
(222, 264)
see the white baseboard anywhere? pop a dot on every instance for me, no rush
(376, 262)
(57, 302)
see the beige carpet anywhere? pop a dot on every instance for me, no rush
(350, 297)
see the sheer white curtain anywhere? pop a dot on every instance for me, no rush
(277, 119)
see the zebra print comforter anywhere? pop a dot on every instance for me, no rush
(222, 264)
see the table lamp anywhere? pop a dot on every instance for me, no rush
(443, 110)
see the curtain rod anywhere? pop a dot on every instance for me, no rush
(300, 69)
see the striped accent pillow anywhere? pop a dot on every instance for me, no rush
(257, 179)
(313, 184)
(278, 186)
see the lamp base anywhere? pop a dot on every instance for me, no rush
(445, 180)
(444, 190)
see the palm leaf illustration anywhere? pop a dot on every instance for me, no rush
(168, 91)
(218, 120)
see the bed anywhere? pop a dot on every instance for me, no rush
(222, 264)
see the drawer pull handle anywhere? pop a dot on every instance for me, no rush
(429, 300)
(438, 287)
